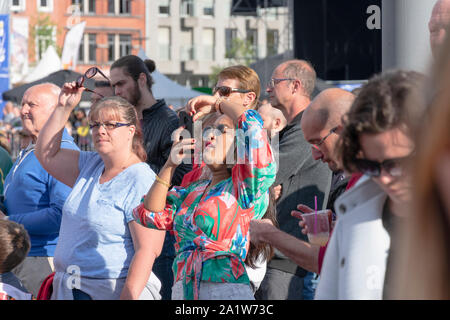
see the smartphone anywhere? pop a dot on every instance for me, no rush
(186, 121)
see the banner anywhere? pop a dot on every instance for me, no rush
(71, 45)
(4, 57)
(19, 49)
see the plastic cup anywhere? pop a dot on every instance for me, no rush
(318, 227)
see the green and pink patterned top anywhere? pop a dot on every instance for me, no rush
(212, 230)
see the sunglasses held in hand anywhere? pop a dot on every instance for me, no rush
(90, 73)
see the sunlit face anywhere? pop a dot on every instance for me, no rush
(392, 144)
(125, 86)
(114, 139)
(236, 97)
(38, 104)
(280, 94)
(218, 142)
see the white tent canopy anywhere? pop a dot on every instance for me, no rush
(49, 63)
(172, 92)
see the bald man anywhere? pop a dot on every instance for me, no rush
(301, 177)
(439, 22)
(321, 125)
(274, 120)
(32, 197)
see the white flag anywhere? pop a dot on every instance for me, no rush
(71, 44)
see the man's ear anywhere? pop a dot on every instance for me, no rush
(277, 123)
(297, 86)
(142, 80)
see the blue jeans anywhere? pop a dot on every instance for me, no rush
(309, 286)
(80, 295)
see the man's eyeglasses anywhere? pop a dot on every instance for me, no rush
(316, 145)
(90, 73)
(225, 91)
(394, 167)
(274, 81)
(108, 125)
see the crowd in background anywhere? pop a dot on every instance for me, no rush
(122, 198)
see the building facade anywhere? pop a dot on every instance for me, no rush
(186, 38)
(114, 28)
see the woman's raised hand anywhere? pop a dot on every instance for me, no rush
(70, 95)
(200, 106)
(180, 149)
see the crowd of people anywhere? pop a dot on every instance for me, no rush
(158, 211)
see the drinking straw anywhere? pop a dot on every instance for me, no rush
(315, 214)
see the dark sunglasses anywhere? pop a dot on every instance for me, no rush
(226, 91)
(394, 167)
(90, 73)
(215, 129)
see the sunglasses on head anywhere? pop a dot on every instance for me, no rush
(225, 91)
(90, 73)
(393, 167)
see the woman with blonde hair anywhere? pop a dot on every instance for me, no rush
(99, 242)
(423, 265)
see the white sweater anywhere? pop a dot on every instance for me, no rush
(355, 261)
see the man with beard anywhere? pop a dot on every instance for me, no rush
(131, 79)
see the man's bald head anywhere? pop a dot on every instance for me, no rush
(38, 103)
(327, 109)
(439, 22)
(323, 120)
(274, 120)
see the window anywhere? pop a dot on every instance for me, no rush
(81, 51)
(208, 44)
(164, 7)
(88, 49)
(119, 6)
(272, 42)
(187, 48)
(252, 39)
(86, 6)
(230, 35)
(124, 45)
(92, 48)
(187, 8)
(164, 43)
(111, 47)
(91, 6)
(208, 8)
(45, 37)
(18, 5)
(45, 5)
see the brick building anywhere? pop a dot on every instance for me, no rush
(114, 28)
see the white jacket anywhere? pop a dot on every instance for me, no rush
(355, 261)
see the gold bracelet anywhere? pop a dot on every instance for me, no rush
(161, 181)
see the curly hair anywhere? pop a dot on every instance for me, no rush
(382, 104)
